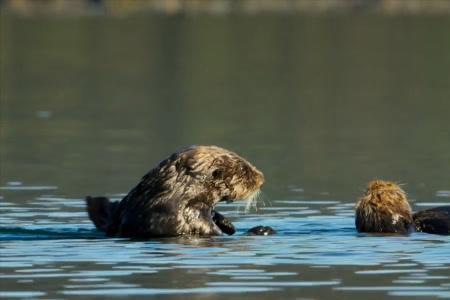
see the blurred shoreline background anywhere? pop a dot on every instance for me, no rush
(222, 7)
(320, 95)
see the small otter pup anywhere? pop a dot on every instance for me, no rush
(179, 195)
(385, 209)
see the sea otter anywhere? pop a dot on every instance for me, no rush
(385, 209)
(179, 195)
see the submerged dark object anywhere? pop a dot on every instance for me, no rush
(178, 197)
(385, 209)
(261, 230)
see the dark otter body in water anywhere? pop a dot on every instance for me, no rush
(385, 209)
(179, 195)
(434, 220)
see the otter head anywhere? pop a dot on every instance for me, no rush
(384, 209)
(218, 174)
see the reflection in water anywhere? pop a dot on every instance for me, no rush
(322, 104)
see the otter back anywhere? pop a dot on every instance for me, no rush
(434, 220)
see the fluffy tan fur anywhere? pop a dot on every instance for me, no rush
(384, 208)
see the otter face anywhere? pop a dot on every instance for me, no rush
(384, 208)
(224, 175)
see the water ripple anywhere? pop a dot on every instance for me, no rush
(53, 242)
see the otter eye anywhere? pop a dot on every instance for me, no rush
(217, 173)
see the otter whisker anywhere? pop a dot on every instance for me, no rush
(264, 200)
(251, 201)
(238, 209)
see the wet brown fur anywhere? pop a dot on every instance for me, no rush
(178, 196)
(384, 208)
(434, 220)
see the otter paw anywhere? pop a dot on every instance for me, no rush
(223, 223)
(261, 230)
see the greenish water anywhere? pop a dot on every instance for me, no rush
(320, 104)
